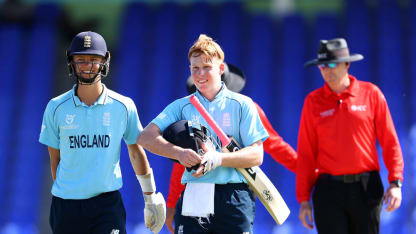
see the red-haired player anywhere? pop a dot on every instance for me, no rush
(275, 146)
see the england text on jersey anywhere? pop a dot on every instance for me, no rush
(89, 141)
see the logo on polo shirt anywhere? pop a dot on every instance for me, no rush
(106, 119)
(196, 119)
(359, 107)
(327, 113)
(69, 120)
(226, 120)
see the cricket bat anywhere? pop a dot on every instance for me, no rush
(257, 180)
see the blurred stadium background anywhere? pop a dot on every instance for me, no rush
(270, 40)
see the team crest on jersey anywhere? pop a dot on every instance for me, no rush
(106, 119)
(226, 120)
(69, 119)
(115, 231)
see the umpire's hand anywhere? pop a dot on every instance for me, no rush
(170, 214)
(305, 214)
(393, 198)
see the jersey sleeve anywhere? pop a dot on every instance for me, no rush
(175, 186)
(387, 136)
(49, 133)
(169, 115)
(280, 150)
(307, 151)
(251, 127)
(134, 126)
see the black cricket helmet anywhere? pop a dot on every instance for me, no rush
(88, 43)
(190, 135)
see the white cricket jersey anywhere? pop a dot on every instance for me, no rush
(89, 140)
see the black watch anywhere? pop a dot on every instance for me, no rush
(398, 183)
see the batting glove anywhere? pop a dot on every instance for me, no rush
(155, 205)
(212, 159)
(154, 211)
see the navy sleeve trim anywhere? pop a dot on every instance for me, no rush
(56, 108)
(183, 117)
(125, 107)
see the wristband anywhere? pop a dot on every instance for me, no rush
(149, 198)
(147, 182)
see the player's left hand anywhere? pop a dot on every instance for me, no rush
(211, 160)
(154, 211)
(393, 198)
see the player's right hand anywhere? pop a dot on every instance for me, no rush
(170, 214)
(189, 158)
(305, 214)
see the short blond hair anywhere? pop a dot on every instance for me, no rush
(207, 46)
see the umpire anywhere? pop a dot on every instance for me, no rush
(337, 154)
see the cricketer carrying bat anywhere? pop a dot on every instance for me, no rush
(275, 146)
(83, 129)
(216, 198)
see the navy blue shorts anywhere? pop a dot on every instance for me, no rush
(234, 208)
(104, 213)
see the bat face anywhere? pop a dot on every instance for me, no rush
(264, 189)
(267, 193)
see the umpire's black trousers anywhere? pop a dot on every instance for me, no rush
(347, 208)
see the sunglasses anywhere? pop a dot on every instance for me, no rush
(330, 65)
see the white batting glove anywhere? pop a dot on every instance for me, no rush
(212, 159)
(155, 205)
(154, 211)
